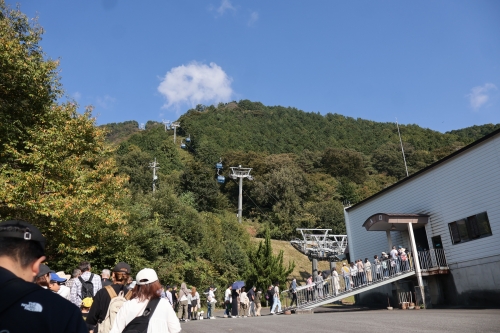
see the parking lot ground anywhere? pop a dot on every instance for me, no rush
(433, 320)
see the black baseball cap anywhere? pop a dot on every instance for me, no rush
(44, 269)
(122, 267)
(21, 230)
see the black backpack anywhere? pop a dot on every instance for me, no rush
(140, 324)
(87, 287)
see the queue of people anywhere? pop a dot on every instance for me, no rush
(37, 299)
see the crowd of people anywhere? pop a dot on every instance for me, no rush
(35, 298)
(115, 302)
(360, 273)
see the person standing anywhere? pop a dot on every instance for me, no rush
(258, 303)
(183, 302)
(270, 296)
(346, 274)
(175, 298)
(368, 271)
(227, 301)
(244, 303)
(98, 313)
(335, 282)
(105, 275)
(394, 260)
(276, 299)
(27, 306)
(293, 290)
(310, 288)
(319, 285)
(378, 268)
(210, 302)
(235, 294)
(56, 285)
(82, 283)
(361, 272)
(195, 303)
(168, 295)
(354, 275)
(145, 295)
(251, 299)
(71, 281)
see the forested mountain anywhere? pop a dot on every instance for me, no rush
(305, 165)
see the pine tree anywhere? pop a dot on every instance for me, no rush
(266, 268)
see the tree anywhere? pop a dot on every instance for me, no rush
(388, 159)
(344, 163)
(64, 182)
(266, 268)
(28, 82)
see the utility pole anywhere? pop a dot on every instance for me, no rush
(166, 123)
(155, 166)
(175, 125)
(239, 172)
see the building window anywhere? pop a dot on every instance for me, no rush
(473, 227)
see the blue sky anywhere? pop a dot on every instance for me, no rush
(431, 63)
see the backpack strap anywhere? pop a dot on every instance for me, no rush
(14, 290)
(91, 278)
(111, 292)
(139, 321)
(128, 296)
(151, 307)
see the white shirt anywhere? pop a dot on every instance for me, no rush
(64, 292)
(394, 254)
(164, 319)
(227, 295)
(211, 295)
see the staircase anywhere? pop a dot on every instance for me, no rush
(321, 293)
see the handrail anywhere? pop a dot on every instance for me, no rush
(346, 282)
(432, 258)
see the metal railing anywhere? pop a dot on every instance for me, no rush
(346, 282)
(433, 258)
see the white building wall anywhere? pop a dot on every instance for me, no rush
(464, 185)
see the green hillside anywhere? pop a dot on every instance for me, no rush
(304, 164)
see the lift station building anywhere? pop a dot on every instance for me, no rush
(453, 210)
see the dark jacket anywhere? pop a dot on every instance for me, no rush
(39, 311)
(101, 302)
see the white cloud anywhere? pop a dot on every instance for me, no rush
(480, 95)
(194, 84)
(254, 17)
(105, 102)
(77, 95)
(224, 6)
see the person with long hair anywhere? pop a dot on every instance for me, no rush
(183, 302)
(99, 309)
(162, 320)
(195, 303)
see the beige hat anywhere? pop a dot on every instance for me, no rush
(63, 275)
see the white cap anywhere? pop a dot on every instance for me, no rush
(146, 276)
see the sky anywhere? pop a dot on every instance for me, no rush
(432, 63)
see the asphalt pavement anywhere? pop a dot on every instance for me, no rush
(399, 321)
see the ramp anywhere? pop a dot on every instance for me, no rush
(327, 291)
